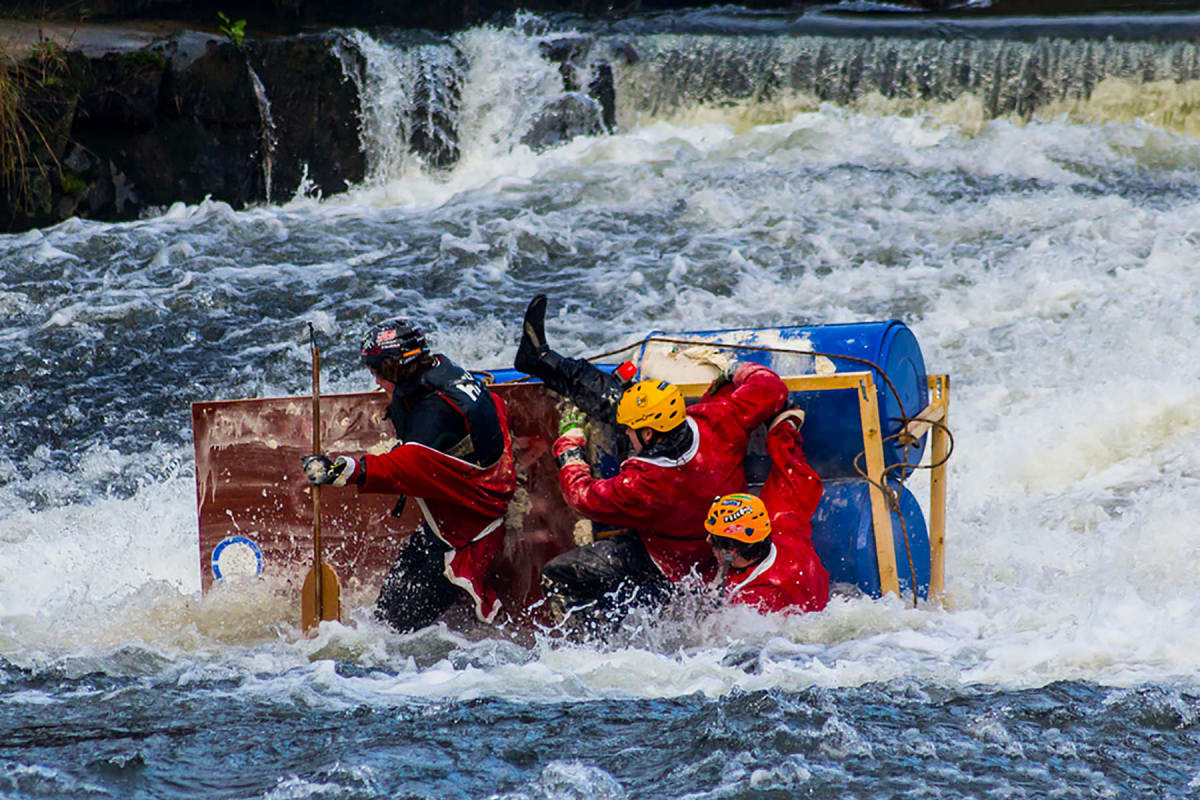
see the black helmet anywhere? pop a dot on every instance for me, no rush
(398, 341)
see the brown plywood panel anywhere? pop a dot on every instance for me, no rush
(249, 482)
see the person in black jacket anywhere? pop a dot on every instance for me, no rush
(454, 458)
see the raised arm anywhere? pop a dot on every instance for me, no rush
(626, 499)
(756, 395)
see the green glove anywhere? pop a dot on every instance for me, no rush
(571, 417)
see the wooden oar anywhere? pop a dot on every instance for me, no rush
(321, 597)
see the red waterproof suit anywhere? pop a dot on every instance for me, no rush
(463, 505)
(666, 500)
(791, 578)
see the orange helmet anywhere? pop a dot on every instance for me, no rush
(651, 404)
(741, 517)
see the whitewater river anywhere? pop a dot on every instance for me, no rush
(1047, 263)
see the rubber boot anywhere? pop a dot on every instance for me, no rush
(533, 351)
(594, 391)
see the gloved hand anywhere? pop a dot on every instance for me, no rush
(321, 471)
(789, 416)
(723, 361)
(568, 449)
(571, 418)
(727, 365)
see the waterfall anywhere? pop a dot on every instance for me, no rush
(675, 74)
(409, 105)
(268, 129)
(430, 103)
(474, 96)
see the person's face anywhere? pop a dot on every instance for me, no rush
(737, 562)
(384, 383)
(404, 374)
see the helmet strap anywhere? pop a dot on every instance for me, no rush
(723, 564)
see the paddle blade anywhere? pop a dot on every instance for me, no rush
(331, 598)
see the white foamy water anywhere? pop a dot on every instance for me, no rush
(1048, 267)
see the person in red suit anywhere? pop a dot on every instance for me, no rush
(764, 544)
(454, 460)
(682, 458)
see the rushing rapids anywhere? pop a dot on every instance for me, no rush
(1045, 260)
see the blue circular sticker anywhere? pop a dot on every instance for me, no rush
(236, 556)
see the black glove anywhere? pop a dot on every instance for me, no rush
(321, 471)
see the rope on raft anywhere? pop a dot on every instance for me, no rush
(891, 495)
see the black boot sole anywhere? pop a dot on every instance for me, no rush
(533, 336)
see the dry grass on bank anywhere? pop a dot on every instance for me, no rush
(25, 151)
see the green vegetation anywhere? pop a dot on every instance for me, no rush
(234, 31)
(26, 151)
(73, 184)
(138, 60)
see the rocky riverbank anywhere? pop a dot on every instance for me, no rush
(114, 121)
(109, 123)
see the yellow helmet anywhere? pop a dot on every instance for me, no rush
(651, 404)
(741, 517)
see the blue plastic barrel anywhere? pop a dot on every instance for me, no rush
(833, 426)
(844, 538)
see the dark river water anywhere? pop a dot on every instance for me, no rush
(1030, 208)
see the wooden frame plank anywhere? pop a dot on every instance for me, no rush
(919, 425)
(881, 515)
(939, 444)
(798, 383)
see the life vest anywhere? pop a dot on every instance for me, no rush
(482, 443)
(790, 579)
(462, 503)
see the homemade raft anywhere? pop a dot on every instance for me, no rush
(870, 410)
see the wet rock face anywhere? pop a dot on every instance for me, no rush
(122, 91)
(315, 108)
(587, 107)
(122, 132)
(214, 133)
(571, 114)
(205, 131)
(117, 134)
